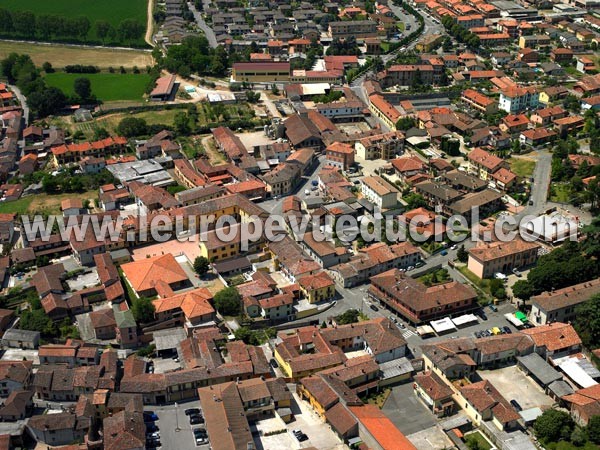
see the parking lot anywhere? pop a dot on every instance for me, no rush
(319, 433)
(514, 384)
(406, 411)
(168, 421)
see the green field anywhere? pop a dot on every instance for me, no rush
(111, 11)
(522, 167)
(105, 86)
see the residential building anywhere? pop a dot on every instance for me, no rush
(375, 259)
(146, 274)
(482, 164)
(380, 146)
(479, 101)
(515, 99)
(384, 110)
(487, 259)
(560, 305)
(317, 287)
(379, 192)
(352, 28)
(418, 303)
(340, 155)
(483, 402)
(436, 394)
(56, 429)
(554, 340)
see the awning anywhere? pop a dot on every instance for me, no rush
(512, 319)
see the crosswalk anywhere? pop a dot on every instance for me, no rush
(406, 333)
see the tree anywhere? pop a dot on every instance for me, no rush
(132, 126)
(553, 425)
(587, 322)
(414, 201)
(274, 89)
(473, 443)
(181, 123)
(348, 316)
(102, 29)
(47, 67)
(593, 429)
(37, 320)
(228, 301)
(201, 265)
(462, 254)
(578, 437)
(143, 310)
(83, 88)
(405, 123)
(47, 101)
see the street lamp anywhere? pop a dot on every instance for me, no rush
(177, 418)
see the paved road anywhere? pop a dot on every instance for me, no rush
(430, 28)
(23, 102)
(540, 185)
(208, 31)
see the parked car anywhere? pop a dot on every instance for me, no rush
(454, 247)
(393, 319)
(506, 330)
(152, 436)
(196, 419)
(273, 363)
(306, 192)
(151, 428)
(373, 307)
(493, 307)
(481, 314)
(444, 252)
(192, 411)
(495, 331)
(150, 417)
(299, 435)
(516, 272)
(516, 405)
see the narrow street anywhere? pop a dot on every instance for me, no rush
(208, 32)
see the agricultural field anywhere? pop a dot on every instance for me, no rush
(105, 86)
(60, 55)
(110, 12)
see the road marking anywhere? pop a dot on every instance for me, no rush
(408, 333)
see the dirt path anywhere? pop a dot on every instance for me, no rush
(150, 23)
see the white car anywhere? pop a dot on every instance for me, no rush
(306, 192)
(454, 247)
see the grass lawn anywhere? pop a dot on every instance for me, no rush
(378, 398)
(560, 193)
(61, 55)
(20, 206)
(106, 86)
(50, 204)
(522, 167)
(482, 284)
(400, 26)
(477, 436)
(42, 203)
(111, 11)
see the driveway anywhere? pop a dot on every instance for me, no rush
(514, 384)
(406, 411)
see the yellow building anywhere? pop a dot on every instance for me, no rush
(261, 72)
(318, 394)
(317, 287)
(429, 42)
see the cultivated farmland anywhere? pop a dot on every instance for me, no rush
(106, 86)
(60, 55)
(64, 20)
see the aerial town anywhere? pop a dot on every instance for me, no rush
(266, 225)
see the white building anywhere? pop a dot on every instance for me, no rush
(380, 192)
(515, 99)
